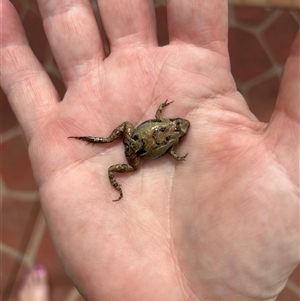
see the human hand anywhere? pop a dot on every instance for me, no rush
(221, 226)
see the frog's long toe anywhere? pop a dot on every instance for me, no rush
(121, 195)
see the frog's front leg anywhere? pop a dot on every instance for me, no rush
(119, 168)
(160, 108)
(175, 156)
(125, 128)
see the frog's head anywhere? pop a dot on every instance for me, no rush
(181, 126)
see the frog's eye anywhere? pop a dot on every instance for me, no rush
(135, 137)
(178, 125)
(141, 152)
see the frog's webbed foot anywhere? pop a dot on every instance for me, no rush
(176, 157)
(118, 168)
(160, 108)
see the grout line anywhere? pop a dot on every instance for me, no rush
(10, 134)
(35, 210)
(254, 29)
(264, 44)
(14, 253)
(269, 21)
(73, 295)
(2, 184)
(5, 249)
(295, 16)
(260, 78)
(35, 239)
(267, 3)
(258, 32)
(22, 195)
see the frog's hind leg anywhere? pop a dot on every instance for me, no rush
(160, 108)
(175, 156)
(125, 128)
(118, 168)
(90, 139)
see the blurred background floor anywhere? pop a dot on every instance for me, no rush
(259, 43)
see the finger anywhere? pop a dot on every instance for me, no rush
(283, 130)
(73, 34)
(201, 23)
(288, 96)
(128, 23)
(27, 85)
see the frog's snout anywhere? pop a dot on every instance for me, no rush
(185, 126)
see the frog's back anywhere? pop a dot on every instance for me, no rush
(153, 138)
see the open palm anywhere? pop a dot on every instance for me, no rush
(220, 226)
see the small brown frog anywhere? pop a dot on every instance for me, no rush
(151, 139)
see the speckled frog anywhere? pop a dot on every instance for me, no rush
(151, 139)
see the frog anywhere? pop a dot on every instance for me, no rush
(151, 139)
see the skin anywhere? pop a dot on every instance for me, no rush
(222, 226)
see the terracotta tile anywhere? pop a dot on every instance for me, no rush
(17, 222)
(262, 98)
(10, 269)
(59, 281)
(6, 271)
(18, 283)
(280, 36)
(251, 15)
(8, 118)
(16, 169)
(248, 59)
(13, 298)
(36, 36)
(162, 25)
